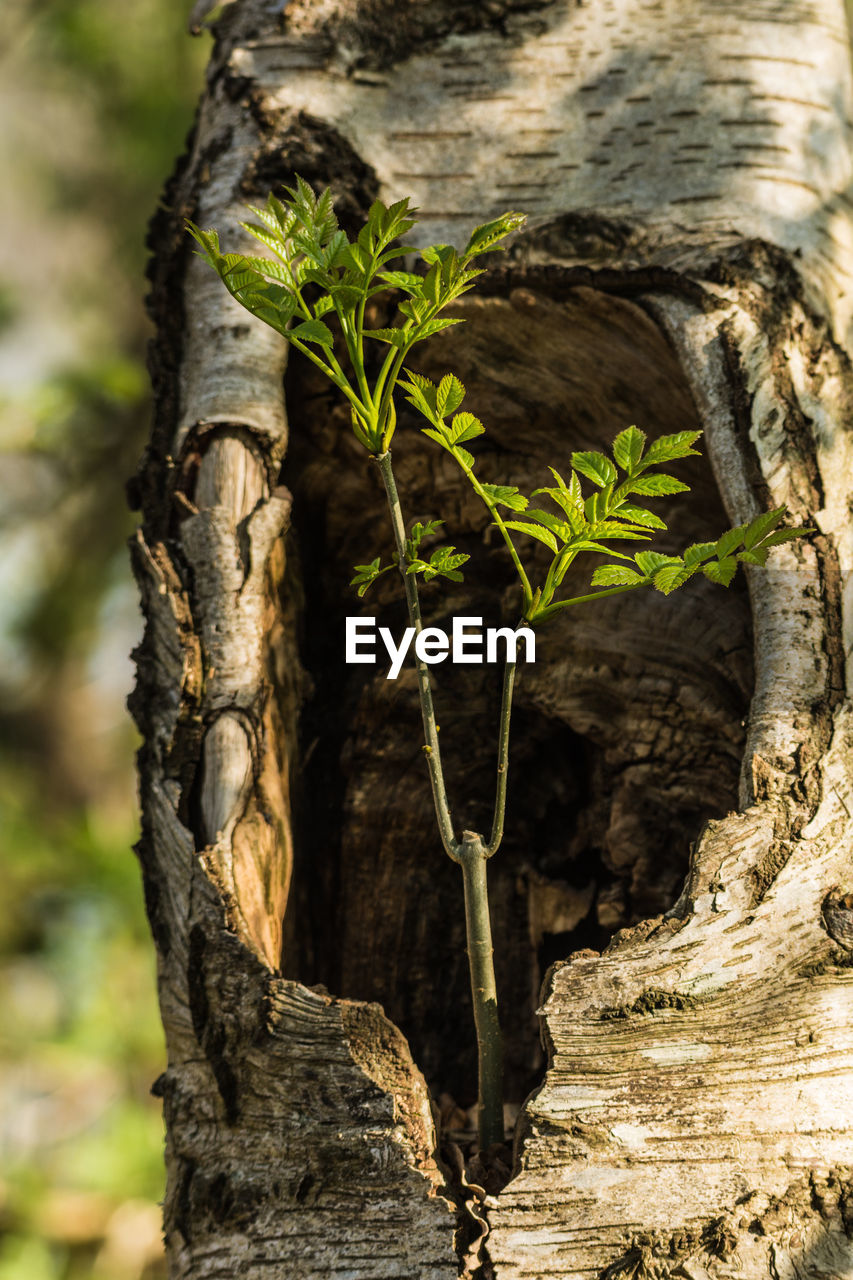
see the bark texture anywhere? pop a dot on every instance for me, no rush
(688, 264)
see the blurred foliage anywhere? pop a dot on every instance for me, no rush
(95, 103)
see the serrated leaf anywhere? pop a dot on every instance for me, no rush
(314, 331)
(729, 541)
(464, 426)
(436, 253)
(444, 562)
(698, 552)
(720, 571)
(407, 280)
(651, 561)
(668, 448)
(396, 337)
(462, 455)
(419, 532)
(365, 574)
(596, 467)
(268, 218)
(616, 575)
(638, 515)
(486, 238)
(761, 526)
(272, 239)
(670, 577)
(550, 521)
(274, 268)
(758, 555)
(785, 535)
(449, 396)
(429, 327)
(589, 545)
(613, 529)
(322, 306)
(440, 437)
(656, 486)
(534, 531)
(628, 447)
(506, 496)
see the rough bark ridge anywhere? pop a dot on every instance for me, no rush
(688, 169)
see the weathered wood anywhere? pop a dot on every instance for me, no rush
(687, 264)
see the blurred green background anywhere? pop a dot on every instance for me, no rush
(95, 104)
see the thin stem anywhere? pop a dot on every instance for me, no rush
(503, 755)
(431, 749)
(473, 857)
(495, 514)
(548, 612)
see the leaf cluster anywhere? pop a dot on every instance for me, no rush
(443, 562)
(315, 271)
(577, 521)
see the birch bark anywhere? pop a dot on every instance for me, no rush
(689, 260)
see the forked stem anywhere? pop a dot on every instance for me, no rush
(472, 853)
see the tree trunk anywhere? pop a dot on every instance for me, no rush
(688, 263)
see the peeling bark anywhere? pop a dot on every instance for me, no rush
(680, 818)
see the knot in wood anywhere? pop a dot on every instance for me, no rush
(837, 911)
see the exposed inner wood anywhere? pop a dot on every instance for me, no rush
(628, 728)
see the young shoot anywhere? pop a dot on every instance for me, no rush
(312, 274)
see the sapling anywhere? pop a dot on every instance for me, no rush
(316, 273)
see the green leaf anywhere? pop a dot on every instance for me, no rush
(667, 448)
(422, 393)
(671, 576)
(449, 396)
(464, 426)
(729, 541)
(272, 239)
(785, 535)
(588, 545)
(616, 575)
(486, 238)
(761, 526)
(429, 327)
(444, 561)
(638, 515)
(698, 552)
(419, 532)
(628, 448)
(396, 337)
(406, 280)
(651, 561)
(440, 436)
(506, 496)
(596, 467)
(463, 456)
(721, 571)
(758, 555)
(656, 486)
(365, 574)
(613, 529)
(209, 241)
(437, 253)
(550, 521)
(322, 305)
(314, 331)
(534, 531)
